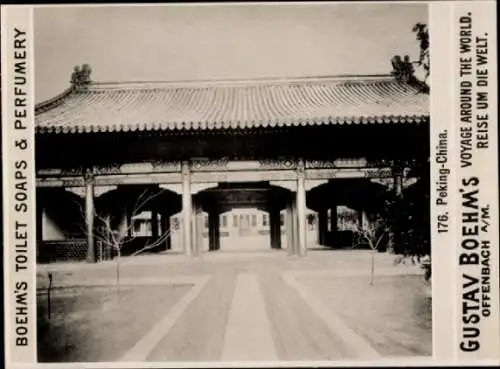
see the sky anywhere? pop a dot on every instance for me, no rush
(220, 41)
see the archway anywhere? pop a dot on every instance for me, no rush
(242, 216)
(141, 214)
(342, 205)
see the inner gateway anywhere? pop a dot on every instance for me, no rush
(223, 165)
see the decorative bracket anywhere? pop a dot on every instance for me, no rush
(101, 190)
(312, 183)
(174, 187)
(387, 182)
(289, 185)
(79, 191)
(195, 187)
(198, 187)
(98, 190)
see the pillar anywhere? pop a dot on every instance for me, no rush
(180, 233)
(364, 217)
(398, 184)
(333, 226)
(167, 231)
(186, 209)
(39, 229)
(213, 231)
(288, 228)
(39, 222)
(322, 226)
(217, 233)
(125, 226)
(301, 209)
(394, 235)
(197, 230)
(154, 225)
(360, 219)
(295, 229)
(42, 221)
(89, 219)
(108, 249)
(128, 220)
(275, 228)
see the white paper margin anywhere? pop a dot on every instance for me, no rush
(19, 17)
(445, 289)
(485, 168)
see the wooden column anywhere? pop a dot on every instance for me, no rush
(301, 209)
(128, 220)
(121, 224)
(271, 229)
(365, 217)
(187, 209)
(322, 226)
(39, 222)
(42, 225)
(394, 239)
(289, 228)
(275, 227)
(180, 233)
(278, 229)
(109, 251)
(89, 218)
(197, 230)
(398, 181)
(154, 225)
(333, 226)
(217, 233)
(213, 226)
(167, 230)
(295, 228)
(125, 226)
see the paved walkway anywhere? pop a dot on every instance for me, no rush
(242, 306)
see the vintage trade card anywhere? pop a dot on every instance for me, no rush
(250, 184)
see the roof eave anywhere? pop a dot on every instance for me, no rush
(197, 126)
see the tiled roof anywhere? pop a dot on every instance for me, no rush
(150, 106)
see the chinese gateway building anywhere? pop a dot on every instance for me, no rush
(188, 153)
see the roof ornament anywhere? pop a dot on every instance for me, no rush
(80, 78)
(402, 68)
(404, 72)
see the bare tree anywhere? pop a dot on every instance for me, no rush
(115, 238)
(371, 233)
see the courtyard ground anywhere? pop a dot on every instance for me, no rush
(234, 306)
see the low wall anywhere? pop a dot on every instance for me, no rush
(61, 250)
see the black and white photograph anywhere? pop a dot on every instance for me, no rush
(233, 182)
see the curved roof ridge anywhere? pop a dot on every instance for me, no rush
(239, 82)
(47, 104)
(158, 84)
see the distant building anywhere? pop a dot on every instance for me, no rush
(244, 222)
